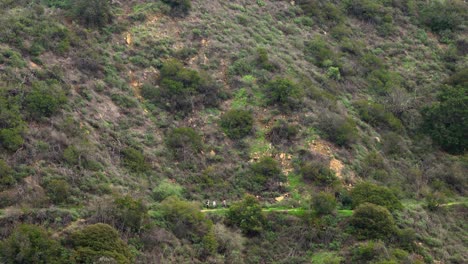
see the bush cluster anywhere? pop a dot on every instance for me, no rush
(12, 125)
(282, 92)
(366, 192)
(376, 115)
(179, 7)
(184, 143)
(318, 173)
(44, 99)
(134, 160)
(282, 132)
(338, 129)
(237, 123)
(92, 13)
(445, 120)
(247, 215)
(372, 221)
(181, 90)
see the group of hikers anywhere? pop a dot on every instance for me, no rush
(213, 204)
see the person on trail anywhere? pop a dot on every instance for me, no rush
(224, 203)
(214, 204)
(207, 204)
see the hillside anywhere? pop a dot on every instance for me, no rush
(324, 131)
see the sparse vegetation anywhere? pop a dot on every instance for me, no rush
(190, 131)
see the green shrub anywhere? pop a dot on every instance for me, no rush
(445, 121)
(369, 10)
(12, 125)
(282, 92)
(129, 214)
(186, 221)
(99, 241)
(281, 132)
(167, 188)
(340, 130)
(92, 13)
(264, 174)
(179, 7)
(369, 251)
(237, 123)
(6, 175)
(324, 203)
(444, 15)
(366, 192)
(372, 221)
(45, 99)
(319, 52)
(134, 160)
(58, 191)
(247, 215)
(376, 115)
(184, 143)
(318, 173)
(263, 62)
(31, 244)
(182, 89)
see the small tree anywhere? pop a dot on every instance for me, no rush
(184, 143)
(129, 213)
(247, 215)
(445, 121)
(282, 132)
(366, 192)
(318, 173)
(324, 203)
(237, 123)
(282, 92)
(6, 175)
(134, 160)
(92, 13)
(44, 99)
(372, 221)
(179, 7)
(58, 191)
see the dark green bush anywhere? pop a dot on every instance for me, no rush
(263, 61)
(184, 143)
(186, 221)
(318, 173)
(99, 241)
(340, 130)
(12, 125)
(376, 115)
(370, 221)
(323, 11)
(6, 175)
(247, 215)
(129, 214)
(445, 121)
(447, 15)
(134, 160)
(282, 92)
(31, 244)
(319, 52)
(58, 191)
(92, 13)
(181, 89)
(282, 133)
(366, 192)
(179, 7)
(264, 174)
(45, 99)
(237, 123)
(324, 203)
(369, 10)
